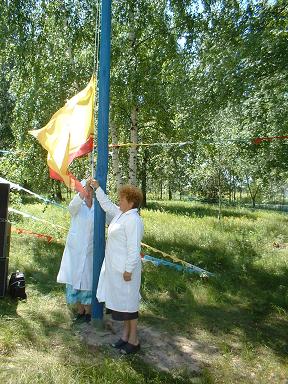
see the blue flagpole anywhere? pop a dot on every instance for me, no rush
(102, 151)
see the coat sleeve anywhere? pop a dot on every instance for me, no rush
(106, 204)
(109, 218)
(134, 232)
(75, 205)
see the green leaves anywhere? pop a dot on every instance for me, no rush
(214, 75)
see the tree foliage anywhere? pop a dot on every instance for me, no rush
(211, 73)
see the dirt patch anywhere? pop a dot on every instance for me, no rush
(161, 350)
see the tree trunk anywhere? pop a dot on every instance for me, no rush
(68, 193)
(169, 192)
(219, 195)
(57, 194)
(115, 156)
(252, 194)
(133, 149)
(144, 177)
(70, 54)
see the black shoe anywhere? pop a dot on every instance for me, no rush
(119, 344)
(79, 318)
(88, 317)
(128, 349)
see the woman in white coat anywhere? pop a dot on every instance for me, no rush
(77, 260)
(120, 277)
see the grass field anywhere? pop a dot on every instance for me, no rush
(242, 310)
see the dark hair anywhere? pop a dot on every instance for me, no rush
(132, 194)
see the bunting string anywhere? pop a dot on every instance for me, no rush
(28, 215)
(157, 262)
(21, 231)
(256, 140)
(145, 258)
(176, 259)
(20, 188)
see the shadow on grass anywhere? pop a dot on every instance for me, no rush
(212, 258)
(43, 269)
(8, 307)
(253, 302)
(196, 210)
(151, 375)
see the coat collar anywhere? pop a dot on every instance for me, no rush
(133, 210)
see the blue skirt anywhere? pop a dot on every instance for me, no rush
(74, 296)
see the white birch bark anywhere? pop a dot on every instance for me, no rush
(133, 148)
(70, 53)
(115, 156)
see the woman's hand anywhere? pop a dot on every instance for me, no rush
(127, 276)
(83, 194)
(94, 183)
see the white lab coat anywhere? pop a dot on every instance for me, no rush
(122, 254)
(77, 260)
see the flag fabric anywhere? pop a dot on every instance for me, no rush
(68, 135)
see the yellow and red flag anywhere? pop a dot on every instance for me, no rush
(69, 134)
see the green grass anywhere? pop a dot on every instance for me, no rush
(242, 310)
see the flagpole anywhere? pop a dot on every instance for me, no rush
(102, 151)
(96, 73)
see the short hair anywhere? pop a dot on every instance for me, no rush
(132, 194)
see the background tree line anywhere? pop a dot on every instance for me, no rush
(210, 73)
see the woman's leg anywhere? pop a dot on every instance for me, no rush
(126, 329)
(133, 345)
(87, 309)
(133, 338)
(129, 332)
(80, 312)
(80, 309)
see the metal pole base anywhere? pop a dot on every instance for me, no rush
(98, 324)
